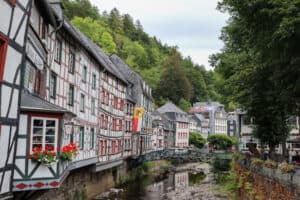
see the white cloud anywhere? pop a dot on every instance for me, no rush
(193, 25)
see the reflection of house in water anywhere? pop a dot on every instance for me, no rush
(156, 190)
(178, 180)
(175, 181)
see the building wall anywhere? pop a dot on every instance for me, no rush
(13, 29)
(182, 134)
(112, 117)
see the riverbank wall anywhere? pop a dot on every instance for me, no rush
(265, 183)
(85, 183)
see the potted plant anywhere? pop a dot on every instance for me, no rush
(46, 157)
(270, 164)
(256, 163)
(68, 151)
(286, 168)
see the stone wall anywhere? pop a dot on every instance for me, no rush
(266, 184)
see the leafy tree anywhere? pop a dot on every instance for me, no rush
(174, 83)
(260, 61)
(196, 139)
(221, 141)
(107, 43)
(80, 8)
(184, 105)
(115, 21)
(91, 28)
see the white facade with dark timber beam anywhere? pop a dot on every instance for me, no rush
(13, 28)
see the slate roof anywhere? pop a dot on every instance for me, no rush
(130, 75)
(199, 117)
(89, 46)
(170, 107)
(31, 102)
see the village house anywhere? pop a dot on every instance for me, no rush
(140, 97)
(13, 30)
(180, 122)
(215, 113)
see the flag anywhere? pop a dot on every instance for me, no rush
(137, 119)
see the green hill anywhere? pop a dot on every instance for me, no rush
(154, 61)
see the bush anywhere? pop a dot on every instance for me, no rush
(221, 142)
(196, 139)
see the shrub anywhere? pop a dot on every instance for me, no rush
(220, 141)
(196, 139)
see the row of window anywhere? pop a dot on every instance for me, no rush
(116, 125)
(110, 146)
(183, 125)
(117, 102)
(71, 68)
(113, 82)
(182, 135)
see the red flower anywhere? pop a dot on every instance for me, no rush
(29, 156)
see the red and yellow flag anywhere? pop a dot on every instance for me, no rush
(137, 119)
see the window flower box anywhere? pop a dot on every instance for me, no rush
(46, 157)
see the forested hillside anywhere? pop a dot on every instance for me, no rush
(171, 76)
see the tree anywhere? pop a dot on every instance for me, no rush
(184, 105)
(220, 141)
(174, 83)
(196, 139)
(115, 21)
(107, 43)
(260, 62)
(80, 8)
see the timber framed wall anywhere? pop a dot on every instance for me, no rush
(13, 29)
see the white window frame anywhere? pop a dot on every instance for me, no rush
(44, 131)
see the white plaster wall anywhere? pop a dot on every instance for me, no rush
(5, 11)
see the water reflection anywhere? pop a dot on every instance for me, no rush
(149, 188)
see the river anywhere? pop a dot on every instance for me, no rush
(185, 182)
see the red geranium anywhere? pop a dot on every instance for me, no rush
(45, 156)
(68, 151)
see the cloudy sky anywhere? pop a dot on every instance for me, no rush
(193, 25)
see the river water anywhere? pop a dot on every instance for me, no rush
(187, 182)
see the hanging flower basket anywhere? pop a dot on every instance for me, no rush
(68, 152)
(45, 157)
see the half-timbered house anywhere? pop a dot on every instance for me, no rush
(141, 94)
(13, 28)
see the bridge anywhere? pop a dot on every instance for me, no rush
(176, 154)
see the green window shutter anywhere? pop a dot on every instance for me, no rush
(81, 137)
(92, 137)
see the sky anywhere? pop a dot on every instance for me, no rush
(192, 25)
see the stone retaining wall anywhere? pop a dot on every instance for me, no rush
(266, 183)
